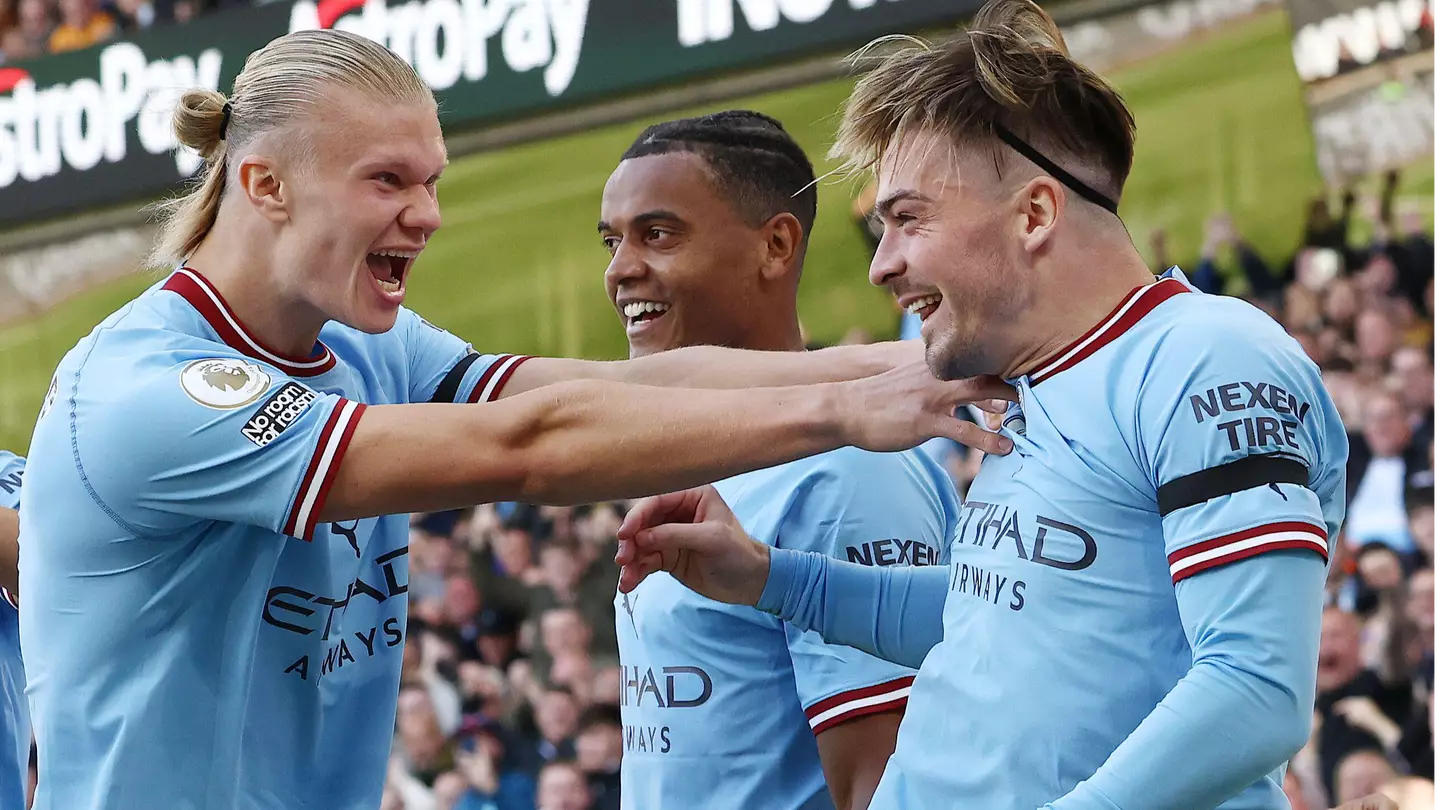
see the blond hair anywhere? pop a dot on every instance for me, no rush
(1010, 69)
(280, 84)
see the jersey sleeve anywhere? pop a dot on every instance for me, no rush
(210, 439)
(1243, 446)
(12, 475)
(876, 510)
(444, 368)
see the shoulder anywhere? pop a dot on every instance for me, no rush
(1205, 342)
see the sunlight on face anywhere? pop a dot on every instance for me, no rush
(366, 207)
(944, 249)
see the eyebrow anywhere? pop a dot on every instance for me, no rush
(885, 206)
(649, 216)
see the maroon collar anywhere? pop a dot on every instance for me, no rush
(206, 300)
(1136, 305)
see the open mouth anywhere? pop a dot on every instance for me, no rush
(640, 312)
(924, 306)
(389, 268)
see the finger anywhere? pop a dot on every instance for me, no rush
(972, 435)
(669, 538)
(974, 389)
(994, 421)
(633, 574)
(658, 509)
(999, 406)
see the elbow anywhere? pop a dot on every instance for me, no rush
(1292, 728)
(1282, 715)
(536, 458)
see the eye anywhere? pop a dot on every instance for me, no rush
(390, 179)
(659, 237)
(612, 243)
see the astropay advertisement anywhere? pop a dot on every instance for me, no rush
(92, 127)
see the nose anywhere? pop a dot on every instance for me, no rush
(888, 264)
(625, 265)
(423, 212)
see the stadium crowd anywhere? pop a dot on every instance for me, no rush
(33, 28)
(511, 687)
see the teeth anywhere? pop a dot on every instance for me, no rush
(921, 303)
(635, 309)
(401, 254)
(389, 285)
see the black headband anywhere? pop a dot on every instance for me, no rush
(1070, 180)
(224, 119)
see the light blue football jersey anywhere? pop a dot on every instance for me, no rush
(14, 711)
(193, 637)
(720, 703)
(1185, 432)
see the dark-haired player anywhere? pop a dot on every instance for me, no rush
(707, 221)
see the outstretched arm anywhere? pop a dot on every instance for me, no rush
(719, 367)
(894, 613)
(579, 442)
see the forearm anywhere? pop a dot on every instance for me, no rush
(575, 442)
(1244, 707)
(10, 550)
(718, 367)
(894, 613)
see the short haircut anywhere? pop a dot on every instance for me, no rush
(1009, 77)
(599, 716)
(754, 162)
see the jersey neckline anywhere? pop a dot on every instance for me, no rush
(202, 295)
(1135, 305)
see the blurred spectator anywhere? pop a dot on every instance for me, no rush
(504, 568)
(557, 717)
(81, 25)
(562, 787)
(424, 748)
(1253, 274)
(416, 672)
(1348, 695)
(497, 642)
(1384, 458)
(1360, 773)
(1412, 379)
(598, 749)
(31, 37)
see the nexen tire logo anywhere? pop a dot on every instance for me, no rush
(82, 123)
(532, 33)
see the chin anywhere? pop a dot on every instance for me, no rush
(950, 358)
(374, 323)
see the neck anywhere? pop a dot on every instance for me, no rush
(256, 289)
(1072, 299)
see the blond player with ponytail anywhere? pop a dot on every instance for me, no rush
(215, 563)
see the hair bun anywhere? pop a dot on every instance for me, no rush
(199, 118)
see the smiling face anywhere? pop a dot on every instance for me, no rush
(948, 251)
(685, 268)
(363, 208)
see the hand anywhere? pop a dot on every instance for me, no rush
(902, 408)
(1375, 801)
(1362, 713)
(694, 537)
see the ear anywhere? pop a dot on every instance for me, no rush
(261, 185)
(784, 239)
(1041, 201)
